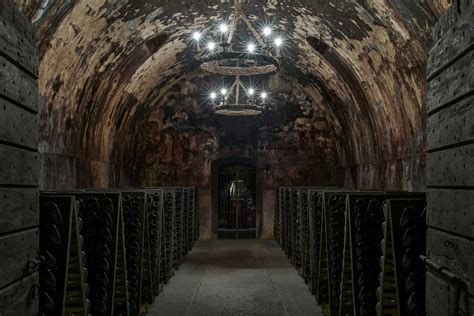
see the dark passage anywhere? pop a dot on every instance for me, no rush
(237, 202)
(236, 277)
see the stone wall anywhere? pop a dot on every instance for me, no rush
(19, 163)
(450, 162)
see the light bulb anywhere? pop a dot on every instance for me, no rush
(223, 91)
(264, 95)
(251, 91)
(211, 46)
(196, 36)
(223, 28)
(278, 41)
(267, 31)
(251, 48)
(213, 95)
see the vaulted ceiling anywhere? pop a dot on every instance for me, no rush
(119, 81)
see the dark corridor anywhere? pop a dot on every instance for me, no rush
(237, 202)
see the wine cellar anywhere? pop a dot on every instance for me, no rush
(264, 157)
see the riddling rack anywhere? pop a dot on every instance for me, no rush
(358, 251)
(110, 252)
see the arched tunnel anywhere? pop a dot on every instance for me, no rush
(124, 104)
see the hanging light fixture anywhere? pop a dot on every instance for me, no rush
(224, 55)
(238, 100)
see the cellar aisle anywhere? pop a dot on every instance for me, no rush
(236, 277)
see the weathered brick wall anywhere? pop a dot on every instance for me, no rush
(450, 160)
(360, 63)
(19, 167)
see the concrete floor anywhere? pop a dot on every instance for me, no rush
(241, 277)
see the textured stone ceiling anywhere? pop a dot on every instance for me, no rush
(109, 70)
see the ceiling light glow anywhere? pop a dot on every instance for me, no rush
(267, 31)
(251, 48)
(211, 46)
(196, 36)
(278, 41)
(223, 28)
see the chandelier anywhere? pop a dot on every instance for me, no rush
(225, 53)
(239, 100)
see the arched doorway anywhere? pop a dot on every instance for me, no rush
(236, 201)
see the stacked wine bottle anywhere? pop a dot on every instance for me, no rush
(193, 201)
(110, 252)
(304, 234)
(192, 220)
(154, 208)
(98, 213)
(413, 225)
(402, 285)
(286, 220)
(179, 245)
(61, 260)
(186, 223)
(368, 220)
(335, 221)
(169, 233)
(133, 207)
(358, 251)
(314, 221)
(276, 223)
(294, 250)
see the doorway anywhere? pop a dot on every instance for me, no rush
(236, 213)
